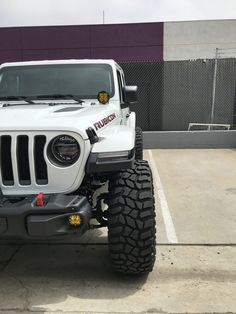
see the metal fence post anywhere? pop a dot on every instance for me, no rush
(214, 89)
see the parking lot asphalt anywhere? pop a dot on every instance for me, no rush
(196, 207)
(200, 188)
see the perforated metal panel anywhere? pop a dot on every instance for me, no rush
(173, 94)
(149, 78)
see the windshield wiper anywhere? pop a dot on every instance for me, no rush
(31, 99)
(58, 97)
(17, 98)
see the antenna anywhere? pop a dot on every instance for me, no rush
(103, 17)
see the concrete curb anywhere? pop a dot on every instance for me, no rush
(189, 139)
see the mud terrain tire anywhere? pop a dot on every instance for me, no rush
(131, 220)
(138, 143)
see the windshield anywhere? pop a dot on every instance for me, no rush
(83, 80)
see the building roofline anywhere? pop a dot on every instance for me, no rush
(113, 24)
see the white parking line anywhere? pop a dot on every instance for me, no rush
(169, 226)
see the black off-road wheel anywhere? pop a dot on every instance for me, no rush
(138, 143)
(131, 220)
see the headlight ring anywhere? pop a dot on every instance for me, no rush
(63, 150)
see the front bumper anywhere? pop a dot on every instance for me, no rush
(23, 219)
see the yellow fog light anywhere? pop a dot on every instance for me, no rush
(103, 97)
(74, 220)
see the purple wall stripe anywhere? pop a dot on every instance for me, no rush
(127, 35)
(122, 42)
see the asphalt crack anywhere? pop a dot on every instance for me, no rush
(7, 262)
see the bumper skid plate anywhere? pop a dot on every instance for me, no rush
(24, 219)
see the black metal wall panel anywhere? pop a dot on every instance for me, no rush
(225, 91)
(149, 78)
(173, 94)
(187, 93)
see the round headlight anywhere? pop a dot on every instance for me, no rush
(64, 150)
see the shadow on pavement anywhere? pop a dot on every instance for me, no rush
(41, 274)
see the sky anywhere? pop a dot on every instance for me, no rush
(76, 12)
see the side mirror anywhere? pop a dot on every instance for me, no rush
(130, 94)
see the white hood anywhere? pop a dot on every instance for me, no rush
(67, 117)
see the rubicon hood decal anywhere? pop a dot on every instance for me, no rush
(100, 124)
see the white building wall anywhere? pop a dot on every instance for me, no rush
(199, 39)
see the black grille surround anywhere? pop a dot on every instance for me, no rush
(16, 162)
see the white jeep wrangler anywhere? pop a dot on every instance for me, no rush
(71, 158)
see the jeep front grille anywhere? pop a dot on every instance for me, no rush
(22, 160)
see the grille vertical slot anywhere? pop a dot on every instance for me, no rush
(6, 160)
(22, 152)
(41, 173)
